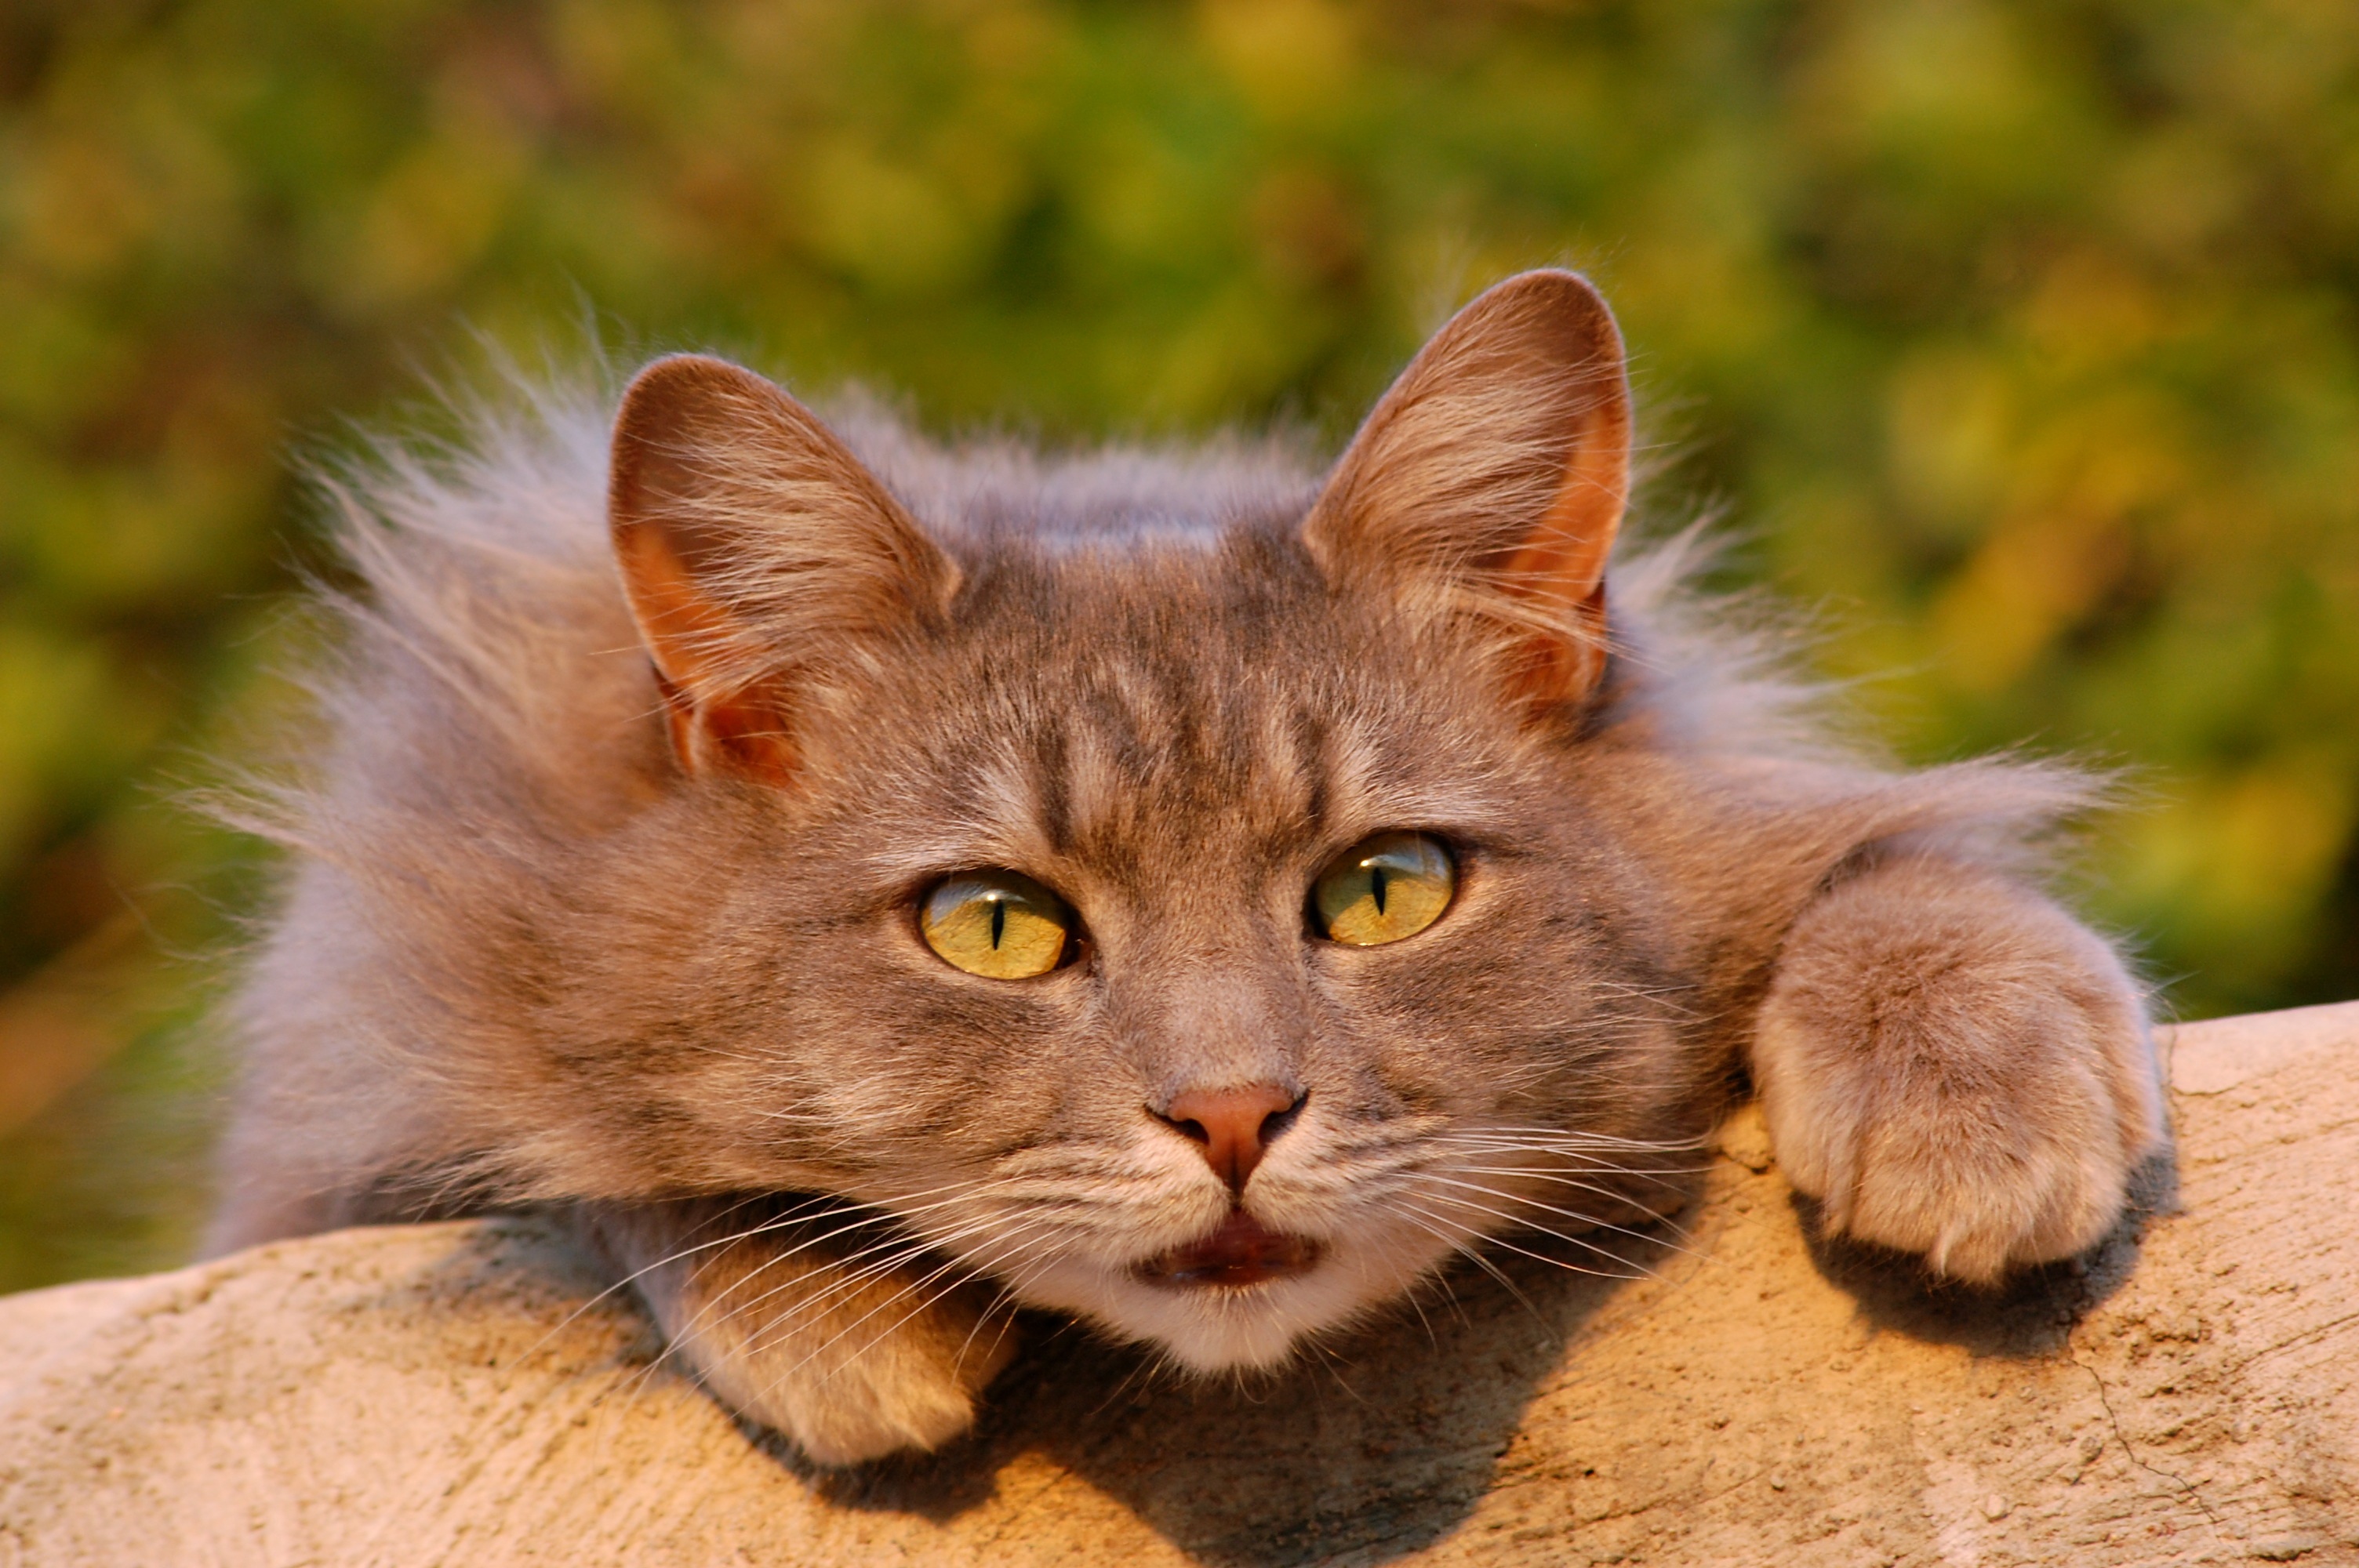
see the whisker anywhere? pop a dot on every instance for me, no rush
(900, 1249)
(1460, 1247)
(1570, 1139)
(1509, 1244)
(673, 1342)
(1574, 1215)
(856, 1219)
(1670, 1178)
(913, 1288)
(628, 1280)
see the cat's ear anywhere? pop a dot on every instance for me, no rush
(1489, 482)
(758, 554)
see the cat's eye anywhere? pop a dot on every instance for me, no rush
(1384, 888)
(998, 924)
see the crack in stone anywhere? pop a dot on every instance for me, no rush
(2194, 1493)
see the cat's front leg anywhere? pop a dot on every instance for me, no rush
(1955, 1067)
(826, 1331)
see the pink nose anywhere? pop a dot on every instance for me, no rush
(1233, 1125)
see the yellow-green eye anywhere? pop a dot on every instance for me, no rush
(1384, 887)
(997, 925)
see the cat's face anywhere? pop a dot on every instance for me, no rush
(1205, 936)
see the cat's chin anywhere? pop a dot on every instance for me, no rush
(1242, 1298)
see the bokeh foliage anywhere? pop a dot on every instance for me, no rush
(2019, 336)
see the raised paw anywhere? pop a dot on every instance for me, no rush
(1955, 1067)
(795, 1328)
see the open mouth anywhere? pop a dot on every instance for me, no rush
(1242, 1251)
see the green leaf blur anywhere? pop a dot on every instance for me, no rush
(2017, 338)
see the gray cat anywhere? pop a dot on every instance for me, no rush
(871, 884)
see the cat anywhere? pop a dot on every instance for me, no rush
(871, 884)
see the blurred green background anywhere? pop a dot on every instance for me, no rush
(2018, 339)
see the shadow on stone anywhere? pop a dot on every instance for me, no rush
(2031, 1314)
(1376, 1444)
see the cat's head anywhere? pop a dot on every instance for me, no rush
(1204, 915)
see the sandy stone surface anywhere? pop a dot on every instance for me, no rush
(456, 1394)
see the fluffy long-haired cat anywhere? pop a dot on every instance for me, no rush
(871, 883)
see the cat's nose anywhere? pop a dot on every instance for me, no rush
(1234, 1126)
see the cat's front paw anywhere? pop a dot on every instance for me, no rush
(785, 1324)
(1955, 1067)
(848, 1390)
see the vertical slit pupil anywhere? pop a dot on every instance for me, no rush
(998, 922)
(1377, 886)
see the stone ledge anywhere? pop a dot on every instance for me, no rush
(450, 1393)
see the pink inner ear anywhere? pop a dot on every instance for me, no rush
(748, 729)
(754, 733)
(1563, 562)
